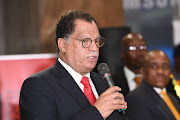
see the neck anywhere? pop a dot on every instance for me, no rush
(135, 70)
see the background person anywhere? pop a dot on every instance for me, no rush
(133, 49)
(147, 102)
(68, 90)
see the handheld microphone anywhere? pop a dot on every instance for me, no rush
(105, 73)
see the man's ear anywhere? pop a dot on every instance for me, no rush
(61, 44)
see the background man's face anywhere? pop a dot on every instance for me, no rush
(133, 59)
(156, 70)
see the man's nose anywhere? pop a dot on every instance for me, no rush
(160, 69)
(93, 46)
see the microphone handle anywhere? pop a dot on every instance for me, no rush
(107, 77)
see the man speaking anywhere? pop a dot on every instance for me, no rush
(69, 90)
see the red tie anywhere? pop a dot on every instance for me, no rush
(88, 91)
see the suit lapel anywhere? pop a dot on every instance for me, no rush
(175, 101)
(159, 103)
(68, 83)
(99, 83)
(73, 89)
(121, 81)
(125, 86)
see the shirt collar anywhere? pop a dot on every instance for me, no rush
(158, 91)
(129, 74)
(76, 76)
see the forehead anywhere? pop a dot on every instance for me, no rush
(133, 40)
(136, 42)
(83, 27)
(134, 36)
(158, 58)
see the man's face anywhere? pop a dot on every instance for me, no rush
(133, 58)
(156, 70)
(82, 60)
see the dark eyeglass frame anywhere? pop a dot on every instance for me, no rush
(164, 66)
(83, 40)
(134, 48)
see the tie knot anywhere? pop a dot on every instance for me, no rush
(163, 92)
(85, 81)
(138, 80)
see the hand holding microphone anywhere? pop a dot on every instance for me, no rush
(111, 99)
(105, 73)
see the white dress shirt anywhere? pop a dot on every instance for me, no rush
(158, 90)
(130, 78)
(77, 78)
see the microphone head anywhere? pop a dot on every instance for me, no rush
(103, 69)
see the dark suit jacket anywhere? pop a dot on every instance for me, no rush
(121, 81)
(52, 94)
(145, 104)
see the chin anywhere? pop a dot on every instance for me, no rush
(93, 63)
(162, 85)
(91, 66)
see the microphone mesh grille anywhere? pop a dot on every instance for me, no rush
(103, 68)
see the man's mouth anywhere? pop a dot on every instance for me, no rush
(92, 58)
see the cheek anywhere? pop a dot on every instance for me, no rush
(130, 54)
(149, 76)
(129, 58)
(73, 54)
(79, 56)
(168, 75)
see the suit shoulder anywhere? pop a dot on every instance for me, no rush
(136, 94)
(44, 73)
(40, 77)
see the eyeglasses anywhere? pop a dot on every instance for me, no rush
(164, 66)
(86, 42)
(133, 48)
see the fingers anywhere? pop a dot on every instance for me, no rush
(109, 101)
(119, 104)
(117, 95)
(113, 93)
(111, 90)
(117, 101)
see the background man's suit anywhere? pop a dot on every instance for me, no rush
(121, 81)
(145, 104)
(54, 95)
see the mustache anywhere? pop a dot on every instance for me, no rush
(162, 75)
(91, 54)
